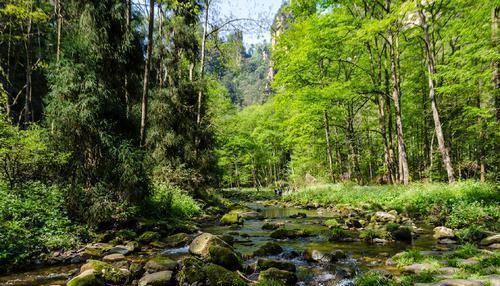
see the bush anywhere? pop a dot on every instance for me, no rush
(467, 213)
(472, 233)
(169, 201)
(33, 220)
(370, 234)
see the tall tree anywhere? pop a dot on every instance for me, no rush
(147, 68)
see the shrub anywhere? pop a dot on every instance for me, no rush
(370, 234)
(408, 257)
(32, 221)
(170, 201)
(472, 233)
(465, 251)
(465, 213)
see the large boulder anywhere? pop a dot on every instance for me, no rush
(269, 248)
(86, 278)
(274, 276)
(264, 264)
(224, 257)
(160, 263)
(113, 257)
(192, 272)
(157, 279)
(96, 250)
(201, 244)
(442, 232)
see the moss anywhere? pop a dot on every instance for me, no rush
(107, 271)
(220, 276)
(231, 218)
(264, 264)
(338, 234)
(331, 223)
(277, 276)
(289, 233)
(270, 248)
(126, 234)
(160, 263)
(148, 236)
(177, 240)
(225, 257)
(86, 278)
(372, 278)
(191, 272)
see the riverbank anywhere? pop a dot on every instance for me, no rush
(252, 237)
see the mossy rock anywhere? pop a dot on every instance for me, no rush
(156, 279)
(270, 248)
(264, 264)
(279, 277)
(160, 263)
(192, 271)
(177, 240)
(97, 250)
(331, 223)
(289, 233)
(402, 234)
(86, 278)
(217, 275)
(107, 271)
(231, 218)
(148, 237)
(270, 226)
(225, 257)
(339, 234)
(201, 244)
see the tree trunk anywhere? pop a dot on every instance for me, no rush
(59, 29)
(496, 64)
(147, 67)
(128, 13)
(383, 132)
(396, 95)
(329, 147)
(431, 69)
(27, 45)
(202, 61)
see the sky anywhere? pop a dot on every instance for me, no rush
(255, 9)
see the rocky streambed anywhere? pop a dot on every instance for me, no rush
(263, 245)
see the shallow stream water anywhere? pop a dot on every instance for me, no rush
(360, 255)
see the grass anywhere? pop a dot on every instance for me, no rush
(456, 205)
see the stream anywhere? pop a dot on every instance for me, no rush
(360, 256)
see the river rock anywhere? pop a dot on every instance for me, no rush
(113, 257)
(119, 249)
(269, 248)
(191, 272)
(160, 263)
(86, 278)
(279, 277)
(201, 244)
(447, 241)
(315, 255)
(298, 215)
(225, 257)
(418, 268)
(231, 218)
(442, 232)
(156, 279)
(460, 282)
(385, 217)
(96, 250)
(264, 264)
(490, 240)
(148, 237)
(289, 233)
(219, 276)
(177, 240)
(270, 226)
(107, 271)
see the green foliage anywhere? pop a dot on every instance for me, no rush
(33, 220)
(27, 154)
(473, 233)
(408, 257)
(372, 278)
(171, 202)
(370, 234)
(457, 205)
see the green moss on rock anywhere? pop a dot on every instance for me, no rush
(220, 276)
(280, 277)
